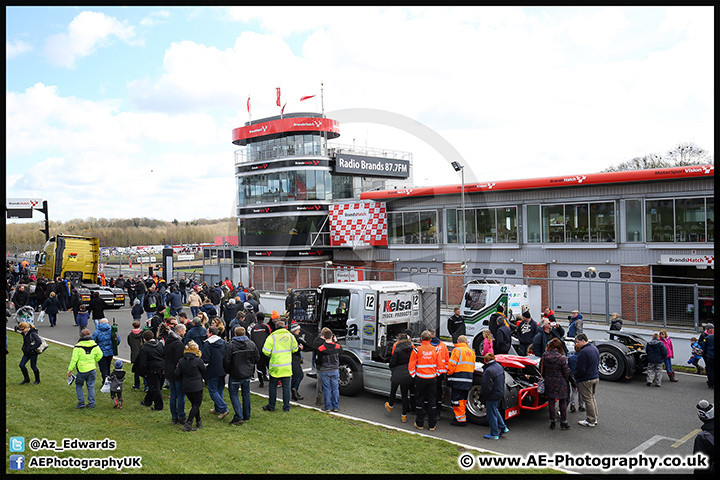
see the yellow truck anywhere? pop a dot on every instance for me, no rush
(77, 258)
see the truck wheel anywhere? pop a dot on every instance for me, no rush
(612, 364)
(475, 408)
(351, 381)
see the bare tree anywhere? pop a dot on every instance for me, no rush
(686, 153)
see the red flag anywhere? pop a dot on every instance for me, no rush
(278, 96)
(248, 104)
(307, 97)
(283, 109)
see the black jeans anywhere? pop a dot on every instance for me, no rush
(404, 396)
(196, 399)
(154, 393)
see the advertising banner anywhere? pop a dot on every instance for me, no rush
(358, 224)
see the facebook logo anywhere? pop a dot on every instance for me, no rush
(17, 462)
(17, 444)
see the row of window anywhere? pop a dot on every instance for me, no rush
(289, 186)
(286, 146)
(667, 221)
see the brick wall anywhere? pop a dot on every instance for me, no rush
(538, 271)
(454, 284)
(636, 297)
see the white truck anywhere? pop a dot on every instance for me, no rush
(366, 318)
(482, 298)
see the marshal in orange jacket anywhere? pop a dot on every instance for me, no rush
(424, 361)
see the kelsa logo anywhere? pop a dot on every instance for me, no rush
(397, 306)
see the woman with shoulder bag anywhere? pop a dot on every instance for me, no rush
(31, 341)
(556, 373)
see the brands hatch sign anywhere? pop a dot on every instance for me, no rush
(704, 260)
(371, 166)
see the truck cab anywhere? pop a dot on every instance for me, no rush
(76, 258)
(482, 297)
(366, 318)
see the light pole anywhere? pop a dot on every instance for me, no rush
(461, 169)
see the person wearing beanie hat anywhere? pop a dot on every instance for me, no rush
(705, 440)
(117, 377)
(526, 330)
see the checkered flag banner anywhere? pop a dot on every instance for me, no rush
(358, 224)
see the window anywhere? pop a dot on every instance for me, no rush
(633, 221)
(602, 222)
(553, 223)
(690, 220)
(533, 224)
(412, 228)
(573, 223)
(483, 225)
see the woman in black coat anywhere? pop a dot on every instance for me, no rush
(31, 341)
(399, 374)
(556, 373)
(51, 306)
(190, 369)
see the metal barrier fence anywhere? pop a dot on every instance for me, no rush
(684, 306)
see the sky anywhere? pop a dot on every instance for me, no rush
(122, 112)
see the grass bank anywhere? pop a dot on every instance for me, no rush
(302, 441)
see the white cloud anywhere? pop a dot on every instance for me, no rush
(86, 32)
(16, 48)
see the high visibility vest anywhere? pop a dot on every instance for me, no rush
(461, 367)
(424, 361)
(279, 346)
(443, 358)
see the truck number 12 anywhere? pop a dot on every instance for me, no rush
(369, 301)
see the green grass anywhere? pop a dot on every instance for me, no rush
(300, 441)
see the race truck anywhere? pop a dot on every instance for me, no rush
(77, 258)
(623, 355)
(366, 318)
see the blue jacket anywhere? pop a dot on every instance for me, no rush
(572, 328)
(197, 333)
(656, 352)
(174, 300)
(587, 363)
(103, 337)
(213, 351)
(493, 381)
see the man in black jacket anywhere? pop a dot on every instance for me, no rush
(503, 337)
(456, 325)
(151, 362)
(239, 362)
(174, 350)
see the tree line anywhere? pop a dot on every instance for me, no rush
(683, 154)
(121, 232)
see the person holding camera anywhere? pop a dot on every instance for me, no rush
(548, 330)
